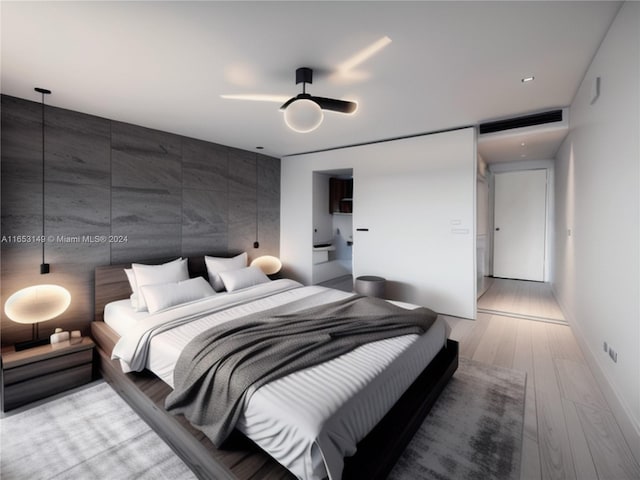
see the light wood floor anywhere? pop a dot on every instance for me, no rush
(344, 283)
(533, 300)
(569, 430)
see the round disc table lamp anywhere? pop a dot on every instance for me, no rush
(36, 304)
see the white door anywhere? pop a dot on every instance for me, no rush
(520, 224)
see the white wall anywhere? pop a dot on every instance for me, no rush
(417, 197)
(597, 278)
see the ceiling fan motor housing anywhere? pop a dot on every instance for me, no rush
(304, 75)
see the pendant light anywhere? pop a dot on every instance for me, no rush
(269, 264)
(38, 303)
(44, 267)
(256, 244)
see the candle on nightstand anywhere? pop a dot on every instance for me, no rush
(59, 336)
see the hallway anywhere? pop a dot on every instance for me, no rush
(570, 431)
(520, 299)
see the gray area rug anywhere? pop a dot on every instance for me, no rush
(89, 434)
(474, 430)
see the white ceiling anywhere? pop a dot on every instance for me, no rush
(539, 142)
(164, 65)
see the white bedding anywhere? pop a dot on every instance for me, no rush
(121, 316)
(309, 420)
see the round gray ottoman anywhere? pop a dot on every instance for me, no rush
(370, 286)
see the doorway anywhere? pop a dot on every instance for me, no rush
(520, 218)
(333, 228)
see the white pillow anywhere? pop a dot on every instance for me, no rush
(132, 280)
(134, 287)
(216, 265)
(167, 295)
(174, 271)
(243, 278)
(134, 301)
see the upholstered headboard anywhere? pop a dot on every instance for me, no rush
(111, 282)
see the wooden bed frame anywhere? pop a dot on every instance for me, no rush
(239, 458)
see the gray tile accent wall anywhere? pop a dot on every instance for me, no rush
(168, 195)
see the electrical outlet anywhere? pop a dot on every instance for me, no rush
(606, 347)
(613, 354)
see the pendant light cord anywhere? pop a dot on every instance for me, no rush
(43, 203)
(256, 244)
(44, 268)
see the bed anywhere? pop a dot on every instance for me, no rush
(320, 442)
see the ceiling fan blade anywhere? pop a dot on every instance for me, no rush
(359, 57)
(289, 102)
(256, 97)
(349, 70)
(340, 106)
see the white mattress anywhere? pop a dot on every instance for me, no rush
(309, 420)
(121, 316)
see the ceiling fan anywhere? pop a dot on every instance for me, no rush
(304, 112)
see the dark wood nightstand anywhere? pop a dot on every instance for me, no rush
(39, 372)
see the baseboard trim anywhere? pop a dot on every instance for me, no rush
(619, 408)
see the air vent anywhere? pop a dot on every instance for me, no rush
(525, 121)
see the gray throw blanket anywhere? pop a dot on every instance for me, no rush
(213, 374)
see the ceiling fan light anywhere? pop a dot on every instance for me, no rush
(303, 116)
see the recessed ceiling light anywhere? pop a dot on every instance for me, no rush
(523, 144)
(523, 155)
(528, 79)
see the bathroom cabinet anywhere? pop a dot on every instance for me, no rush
(340, 195)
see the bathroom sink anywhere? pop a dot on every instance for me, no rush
(324, 247)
